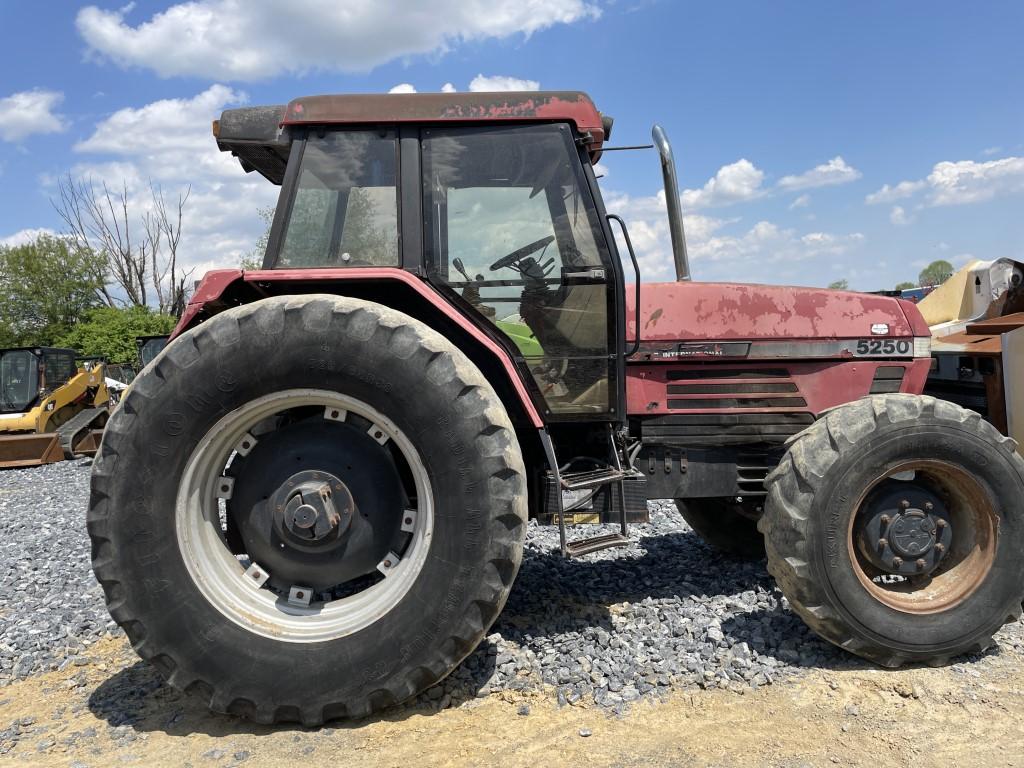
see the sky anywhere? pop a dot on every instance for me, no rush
(814, 141)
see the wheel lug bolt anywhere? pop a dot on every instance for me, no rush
(904, 504)
(882, 543)
(897, 562)
(928, 506)
(921, 564)
(940, 523)
(940, 548)
(884, 520)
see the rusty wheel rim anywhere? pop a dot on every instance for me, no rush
(969, 526)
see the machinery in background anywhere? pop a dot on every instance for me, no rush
(977, 322)
(149, 347)
(51, 408)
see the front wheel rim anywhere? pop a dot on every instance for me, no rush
(969, 554)
(229, 584)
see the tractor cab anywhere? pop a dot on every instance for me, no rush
(494, 205)
(30, 373)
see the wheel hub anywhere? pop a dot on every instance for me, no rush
(906, 529)
(313, 507)
(316, 504)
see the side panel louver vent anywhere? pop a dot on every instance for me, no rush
(888, 378)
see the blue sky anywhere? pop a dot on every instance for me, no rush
(816, 141)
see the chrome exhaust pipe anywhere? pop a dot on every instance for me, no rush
(675, 208)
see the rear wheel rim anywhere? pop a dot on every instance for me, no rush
(221, 577)
(970, 524)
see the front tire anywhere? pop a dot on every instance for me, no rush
(894, 528)
(428, 482)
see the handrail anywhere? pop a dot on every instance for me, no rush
(636, 269)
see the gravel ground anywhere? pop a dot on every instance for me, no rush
(611, 628)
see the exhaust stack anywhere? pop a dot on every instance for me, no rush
(675, 209)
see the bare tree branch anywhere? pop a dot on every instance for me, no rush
(139, 265)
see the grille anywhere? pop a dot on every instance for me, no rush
(757, 389)
(698, 429)
(701, 397)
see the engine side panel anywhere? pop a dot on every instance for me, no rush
(693, 311)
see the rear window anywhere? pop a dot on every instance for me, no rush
(58, 367)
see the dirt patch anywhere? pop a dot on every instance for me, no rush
(115, 710)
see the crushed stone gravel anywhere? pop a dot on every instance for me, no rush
(610, 629)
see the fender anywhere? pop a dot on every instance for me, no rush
(224, 288)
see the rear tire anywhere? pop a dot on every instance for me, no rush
(838, 572)
(722, 525)
(305, 667)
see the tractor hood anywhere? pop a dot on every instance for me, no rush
(687, 319)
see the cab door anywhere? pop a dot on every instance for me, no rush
(512, 227)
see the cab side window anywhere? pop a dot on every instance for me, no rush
(345, 209)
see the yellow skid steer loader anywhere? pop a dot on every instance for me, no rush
(50, 408)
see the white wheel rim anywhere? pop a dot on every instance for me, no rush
(219, 575)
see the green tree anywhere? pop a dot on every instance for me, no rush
(839, 285)
(46, 286)
(905, 286)
(254, 258)
(110, 332)
(935, 273)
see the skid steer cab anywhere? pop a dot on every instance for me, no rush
(312, 503)
(51, 408)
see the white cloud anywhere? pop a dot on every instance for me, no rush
(600, 169)
(835, 171)
(732, 183)
(898, 216)
(448, 88)
(989, 151)
(889, 194)
(502, 83)
(960, 183)
(238, 40)
(23, 236)
(403, 88)
(801, 202)
(763, 252)
(169, 142)
(28, 112)
(970, 182)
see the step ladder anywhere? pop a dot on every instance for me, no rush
(591, 480)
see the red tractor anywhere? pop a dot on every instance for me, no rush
(312, 504)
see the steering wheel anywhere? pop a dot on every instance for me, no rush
(522, 253)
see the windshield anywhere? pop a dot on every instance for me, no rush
(345, 210)
(19, 380)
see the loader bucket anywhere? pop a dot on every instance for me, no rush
(29, 450)
(89, 443)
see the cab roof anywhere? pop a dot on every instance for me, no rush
(568, 106)
(254, 135)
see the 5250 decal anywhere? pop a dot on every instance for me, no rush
(882, 347)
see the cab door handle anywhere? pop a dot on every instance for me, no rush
(596, 273)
